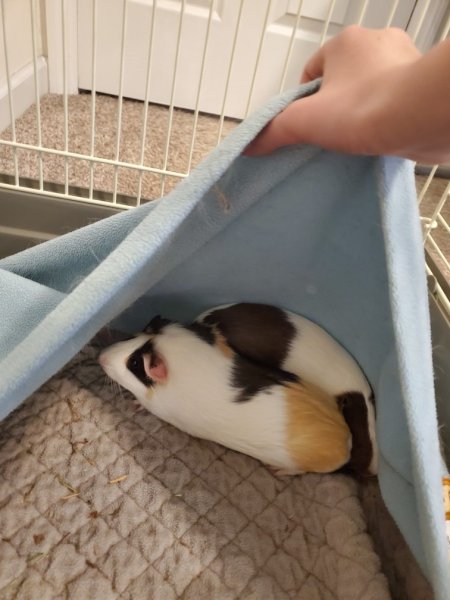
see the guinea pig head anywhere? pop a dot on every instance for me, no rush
(135, 365)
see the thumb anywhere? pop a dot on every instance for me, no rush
(295, 125)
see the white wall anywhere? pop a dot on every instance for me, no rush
(17, 14)
(18, 35)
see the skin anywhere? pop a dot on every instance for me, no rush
(379, 95)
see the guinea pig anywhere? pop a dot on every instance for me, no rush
(283, 340)
(195, 378)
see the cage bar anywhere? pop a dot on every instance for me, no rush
(199, 89)
(436, 220)
(445, 29)
(63, 195)
(36, 91)
(230, 68)
(93, 96)
(438, 292)
(438, 251)
(145, 107)
(392, 13)
(421, 20)
(426, 185)
(327, 22)
(291, 46)
(65, 98)
(437, 210)
(258, 56)
(172, 96)
(120, 106)
(362, 14)
(10, 93)
(99, 159)
(440, 219)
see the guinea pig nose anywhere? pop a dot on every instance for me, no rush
(102, 360)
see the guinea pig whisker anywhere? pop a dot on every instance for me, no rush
(118, 390)
(113, 385)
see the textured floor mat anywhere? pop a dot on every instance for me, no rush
(100, 501)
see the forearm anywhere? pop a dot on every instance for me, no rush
(412, 117)
(379, 95)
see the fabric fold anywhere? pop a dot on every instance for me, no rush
(333, 237)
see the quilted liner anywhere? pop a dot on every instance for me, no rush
(98, 501)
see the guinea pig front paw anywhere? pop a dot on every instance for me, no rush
(279, 472)
(137, 407)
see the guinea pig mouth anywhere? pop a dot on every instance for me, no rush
(146, 365)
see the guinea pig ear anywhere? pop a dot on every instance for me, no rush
(155, 367)
(156, 325)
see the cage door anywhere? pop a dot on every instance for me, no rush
(212, 55)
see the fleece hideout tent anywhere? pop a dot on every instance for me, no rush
(333, 237)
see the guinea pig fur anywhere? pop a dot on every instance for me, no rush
(193, 379)
(281, 339)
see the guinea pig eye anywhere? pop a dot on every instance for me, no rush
(133, 362)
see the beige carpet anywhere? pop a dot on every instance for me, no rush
(100, 502)
(79, 127)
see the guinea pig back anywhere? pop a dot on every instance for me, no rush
(280, 339)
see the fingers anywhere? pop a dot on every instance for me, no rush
(314, 67)
(289, 127)
(286, 128)
(358, 68)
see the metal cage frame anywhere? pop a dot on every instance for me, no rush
(64, 11)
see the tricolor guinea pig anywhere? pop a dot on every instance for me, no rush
(280, 339)
(247, 376)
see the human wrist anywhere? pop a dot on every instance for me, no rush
(410, 115)
(390, 115)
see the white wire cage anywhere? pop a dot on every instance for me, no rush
(114, 101)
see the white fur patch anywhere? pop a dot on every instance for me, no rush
(114, 362)
(198, 396)
(199, 399)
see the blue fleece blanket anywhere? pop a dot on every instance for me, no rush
(333, 237)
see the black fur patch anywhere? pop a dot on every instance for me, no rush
(135, 363)
(260, 332)
(156, 325)
(202, 331)
(250, 377)
(354, 410)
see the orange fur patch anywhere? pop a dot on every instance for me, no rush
(319, 439)
(149, 393)
(222, 345)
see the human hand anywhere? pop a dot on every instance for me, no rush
(358, 108)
